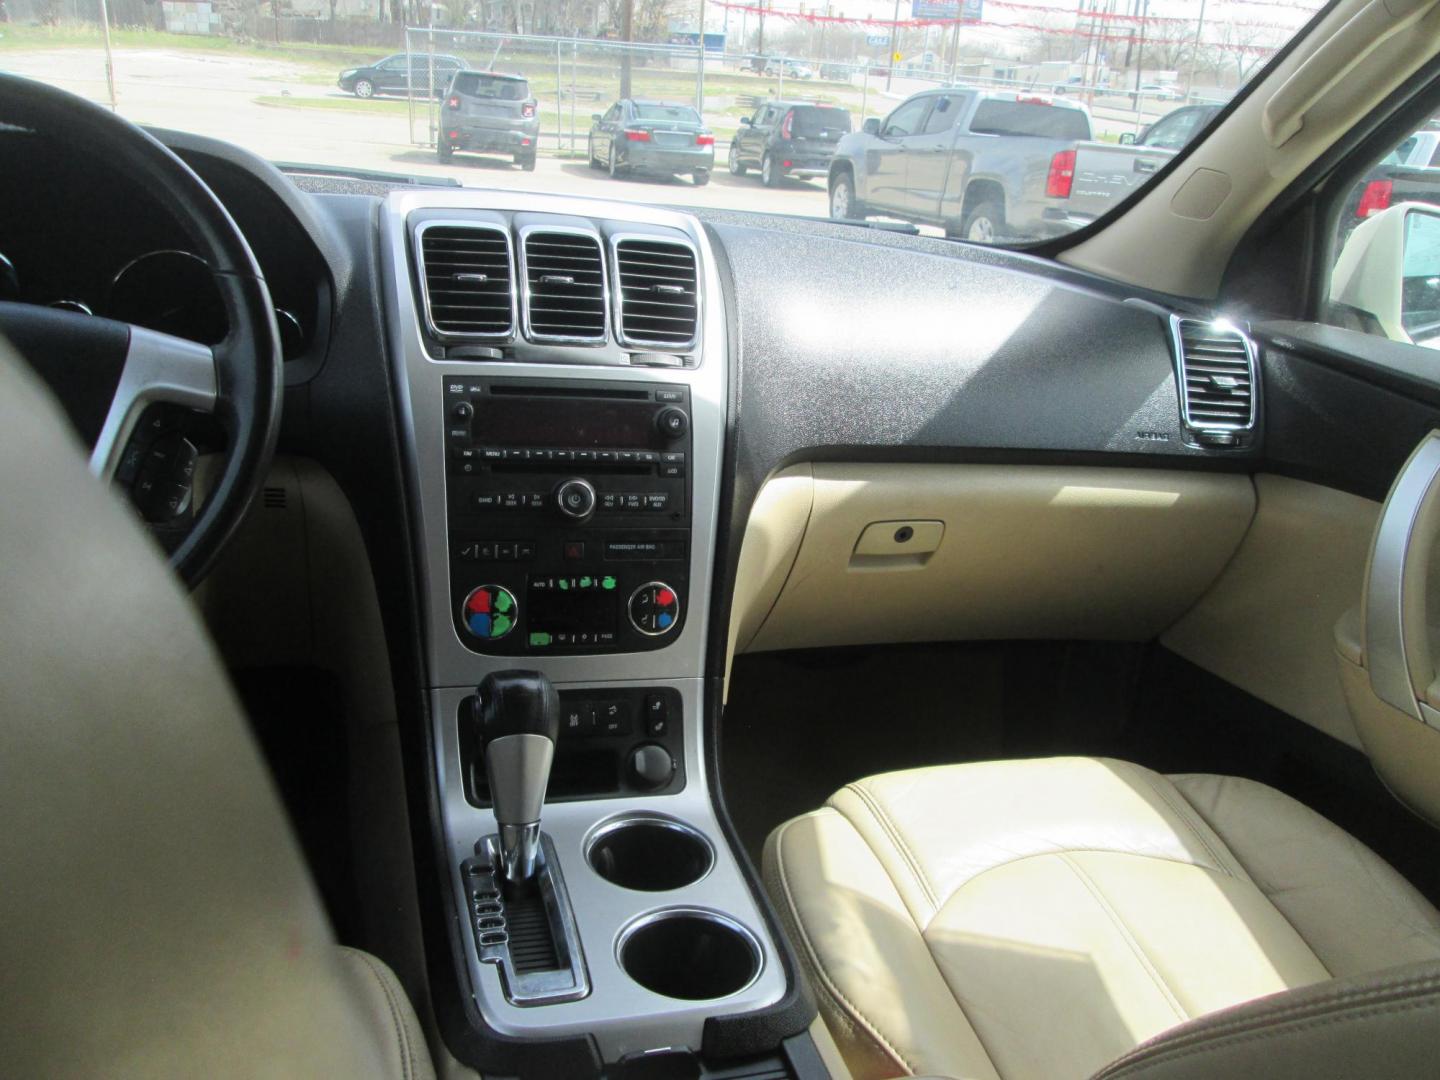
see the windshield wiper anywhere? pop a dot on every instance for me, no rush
(373, 175)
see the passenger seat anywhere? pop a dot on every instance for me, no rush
(1044, 918)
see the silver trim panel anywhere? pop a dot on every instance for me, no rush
(158, 367)
(1394, 559)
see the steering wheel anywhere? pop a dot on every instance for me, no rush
(107, 373)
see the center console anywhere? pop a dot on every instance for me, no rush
(562, 379)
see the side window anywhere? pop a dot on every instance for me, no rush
(942, 116)
(1385, 277)
(906, 120)
(759, 117)
(393, 63)
(613, 115)
(767, 118)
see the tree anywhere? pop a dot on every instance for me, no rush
(1243, 47)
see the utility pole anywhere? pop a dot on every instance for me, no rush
(894, 46)
(109, 60)
(700, 77)
(954, 50)
(1140, 57)
(1195, 56)
(760, 44)
(627, 33)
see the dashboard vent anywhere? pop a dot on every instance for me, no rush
(1216, 367)
(659, 301)
(564, 286)
(469, 281)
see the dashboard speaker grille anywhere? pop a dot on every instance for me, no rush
(466, 271)
(1215, 363)
(659, 292)
(564, 287)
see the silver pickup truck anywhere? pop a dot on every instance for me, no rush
(1106, 173)
(981, 165)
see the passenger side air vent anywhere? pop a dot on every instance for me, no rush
(564, 286)
(468, 279)
(1215, 366)
(658, 283)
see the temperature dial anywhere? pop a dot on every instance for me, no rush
(489, 612)
(654, 609)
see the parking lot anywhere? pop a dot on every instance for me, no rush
(286, 113)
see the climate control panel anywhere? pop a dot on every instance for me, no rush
(568, 510)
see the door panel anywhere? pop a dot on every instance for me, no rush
(927, 160)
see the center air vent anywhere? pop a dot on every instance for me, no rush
(564, 286)
(659, 305)
(468, 279)
(1216, 367)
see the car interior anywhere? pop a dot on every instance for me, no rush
(466, 632)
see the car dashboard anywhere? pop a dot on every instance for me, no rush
(594, 438)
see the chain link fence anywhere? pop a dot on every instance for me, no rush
(572, 78)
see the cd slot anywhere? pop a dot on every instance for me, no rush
(533, 467)
(609, 394)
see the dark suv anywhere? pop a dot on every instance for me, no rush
(486, 112)
(397, 74)
(788, 138)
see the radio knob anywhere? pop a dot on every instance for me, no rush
(575, 498)
(462, 412)
(672, 422)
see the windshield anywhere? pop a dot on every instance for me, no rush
(678, 113)
(1006, 123)
(811, 121)
(489, 86)
(1045, 120)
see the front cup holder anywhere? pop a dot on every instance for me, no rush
(649, 853)
(689, 953)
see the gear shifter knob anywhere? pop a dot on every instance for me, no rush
(517, 719)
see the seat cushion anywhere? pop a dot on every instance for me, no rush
(1041, 918)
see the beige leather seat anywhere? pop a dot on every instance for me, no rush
(156, 919)
(1041, 918)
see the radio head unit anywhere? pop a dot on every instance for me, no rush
(568, 514)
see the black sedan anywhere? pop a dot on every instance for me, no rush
(397, 74)
(660, 138)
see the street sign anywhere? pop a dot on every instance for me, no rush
(896, 57)
(877, 39)
(964, 10)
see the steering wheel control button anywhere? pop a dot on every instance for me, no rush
(575, 498)
(672, 422)
(489, 612)
(654, 609)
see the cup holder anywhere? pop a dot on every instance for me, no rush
(649, 853)
(689, 953)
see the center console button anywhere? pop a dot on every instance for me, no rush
(672, 422)
(575, 498)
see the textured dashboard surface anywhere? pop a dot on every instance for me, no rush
(853, 349)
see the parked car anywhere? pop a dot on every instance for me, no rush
(400, 74)
(1103, 175)
(790, 69)
(654, 137)
(1408, 174)
(487, 112)
(788, 138)
(1160, 92)
(980, 164)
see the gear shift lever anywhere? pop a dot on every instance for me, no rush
(517, 719)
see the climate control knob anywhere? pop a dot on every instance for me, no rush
(654, 609)
(575, 498)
